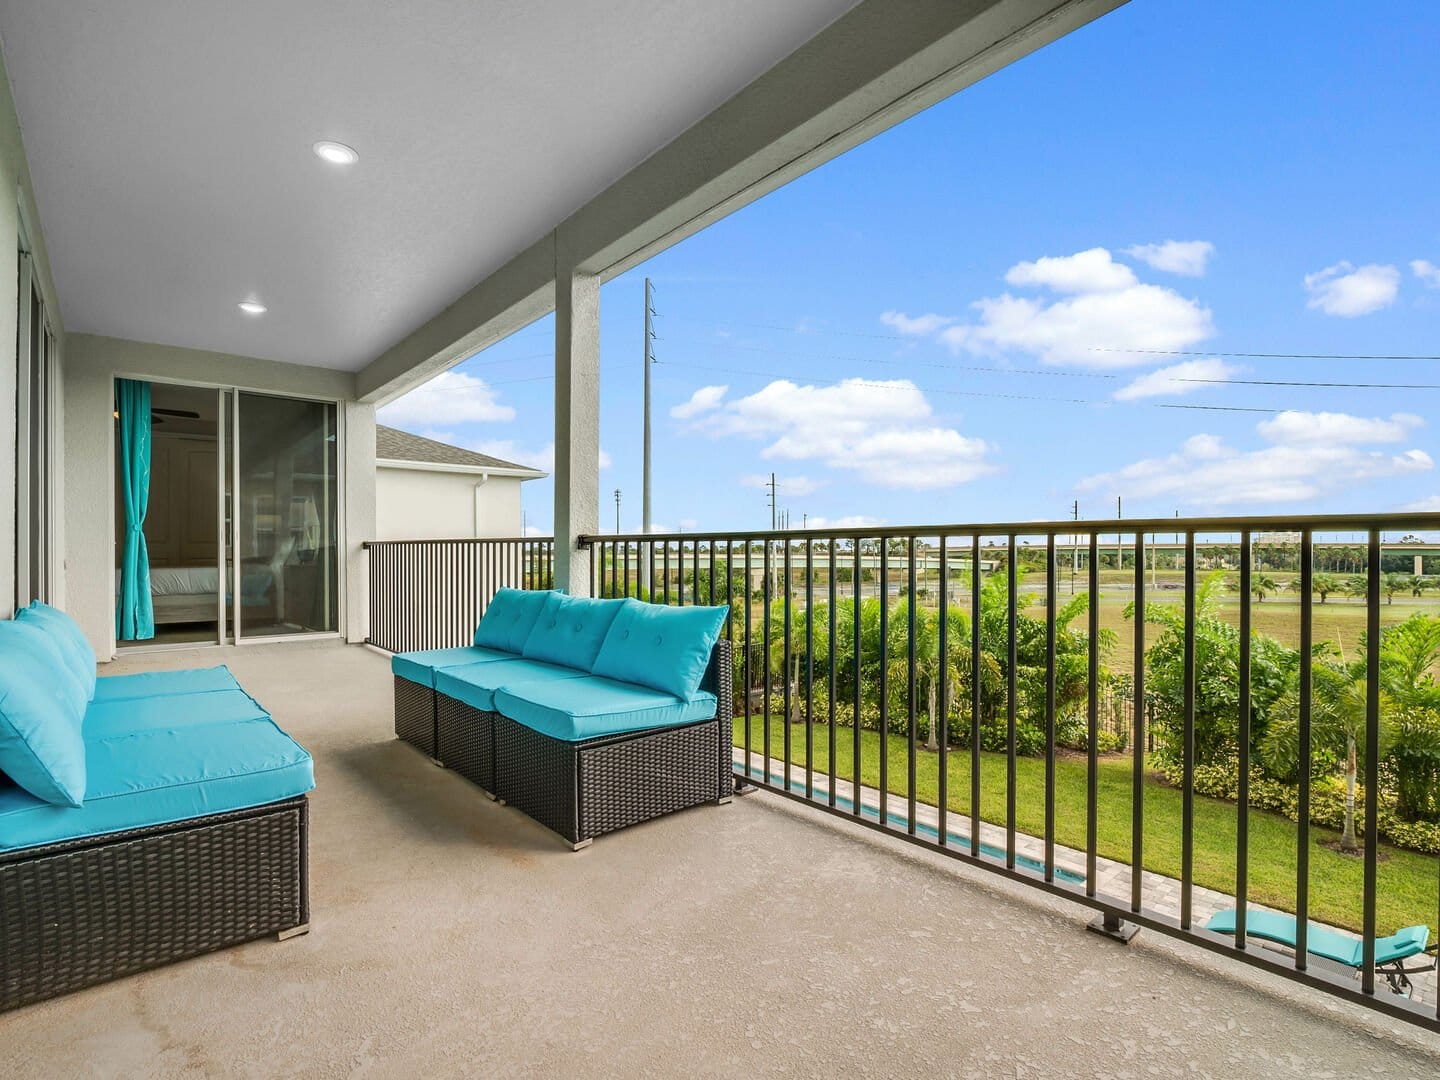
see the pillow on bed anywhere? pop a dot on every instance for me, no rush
(40, 744)
(69, 640)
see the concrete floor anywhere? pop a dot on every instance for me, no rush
(453, 936)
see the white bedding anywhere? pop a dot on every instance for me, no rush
(183, 580)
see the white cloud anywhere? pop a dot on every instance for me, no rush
(509, 450)
(703, 400)
(1293, 428)
(881, 430)
(795, 487)
(849, 521)
(688, 524)
(1427, 272)
(1104, 317)
(1183, 378)
(1296, 467)
(535, 530)
(452, 397)
(1084, 272)
(1348, 291)
(1185, 257)
(1428, 505)
(917, 325)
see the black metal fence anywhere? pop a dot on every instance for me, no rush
(430, 594)
(869, 660)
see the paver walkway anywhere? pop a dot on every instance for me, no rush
(1160, 894)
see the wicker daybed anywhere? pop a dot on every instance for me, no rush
(582, 753)
(190, 832)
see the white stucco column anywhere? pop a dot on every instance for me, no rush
(577, 425)
(359, 475)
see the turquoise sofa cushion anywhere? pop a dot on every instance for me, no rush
(126, 716)
(149, 684)
(590, 706)
(165, 775)
(420, 667)
(509, 618)
(475, 684)
(664, 648)
(70, 639)
(40, 744)
(28, 639)
(570, 630)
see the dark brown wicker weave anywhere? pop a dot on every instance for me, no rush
(465, 741)
(415, 715)
(82, 912)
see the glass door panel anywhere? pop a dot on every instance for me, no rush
(283, 515)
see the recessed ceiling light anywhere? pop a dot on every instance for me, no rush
(335, 153)
(253, 307)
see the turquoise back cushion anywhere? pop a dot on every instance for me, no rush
(570, 630)
(509, 618)
(664, 648)
(33, 643)
(40, 744)
(69, 639)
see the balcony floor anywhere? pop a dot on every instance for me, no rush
(452, 936)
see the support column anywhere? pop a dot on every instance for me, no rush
(577, 425)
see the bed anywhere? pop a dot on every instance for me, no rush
(188, 594)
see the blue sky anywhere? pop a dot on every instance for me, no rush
(946, 323)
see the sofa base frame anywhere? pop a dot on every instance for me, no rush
(83, 912)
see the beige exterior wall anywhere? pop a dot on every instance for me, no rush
(93, 363)
(422, 504)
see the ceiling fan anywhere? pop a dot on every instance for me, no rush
(157, 416)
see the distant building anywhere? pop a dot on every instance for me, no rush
(1277, 538)
(429, 490)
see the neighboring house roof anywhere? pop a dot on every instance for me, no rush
(400, 449)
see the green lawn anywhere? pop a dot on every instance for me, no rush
(1408, 881)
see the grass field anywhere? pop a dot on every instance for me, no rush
(1408, 881)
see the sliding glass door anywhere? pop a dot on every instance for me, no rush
(284, 517)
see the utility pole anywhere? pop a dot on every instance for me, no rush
(774, 509)
(617, 511)
(1074, 547)
(645, 520)
(1119, 540)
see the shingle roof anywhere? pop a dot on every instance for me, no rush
(392, 444)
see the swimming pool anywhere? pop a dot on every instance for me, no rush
(872, 813)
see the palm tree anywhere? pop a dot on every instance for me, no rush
(1390, 584)
(1337, 723)
(1418, 583)
(1262, 585)
(1324, 585)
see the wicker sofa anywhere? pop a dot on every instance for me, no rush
(556, 734)
(190, 834)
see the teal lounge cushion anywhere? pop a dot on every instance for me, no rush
(590, 706)
(170, 774)
(509, 618)
(420, 667)
(126, 716)
(28, 639)
(570, 630)
(149, 684)
(475, 684)
(1321, 940)
(69, 638)
(40, 744)
(664, 648)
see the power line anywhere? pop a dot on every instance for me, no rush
(1265, 355)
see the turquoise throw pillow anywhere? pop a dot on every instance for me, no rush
(664, 648)
(29, 641)
(570, 630)
(509, 618)
(40, 744)
(70, 640)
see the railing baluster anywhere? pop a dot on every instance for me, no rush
(855, 725)
(1302, 809)
(884, 681)
(785, 649)
(1092, 757)
(1372, 762)
(912, 698)
(1187, 784)
(745, 656)
(1138, 735)
(943, 719)
(976, 700)
(830, 650)
(1012, 686)
(809, 670)
(1050, 705)
(1242, 804)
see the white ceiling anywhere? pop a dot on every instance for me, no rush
(169, 144)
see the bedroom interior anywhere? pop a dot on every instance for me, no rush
(182, 454)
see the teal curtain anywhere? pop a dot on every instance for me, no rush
(134, 613)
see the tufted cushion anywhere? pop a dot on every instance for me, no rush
(570, 630)
(70, 641)
(665, 648)
(509, 618)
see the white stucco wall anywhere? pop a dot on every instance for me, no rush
(93, 363)
(417, 504)
(18, 200)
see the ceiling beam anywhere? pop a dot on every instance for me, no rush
(872, 68)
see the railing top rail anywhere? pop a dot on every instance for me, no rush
(467, 540)
(1316, 523)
